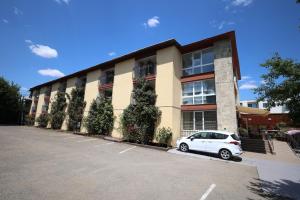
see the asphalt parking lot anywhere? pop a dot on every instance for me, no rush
(44, 164)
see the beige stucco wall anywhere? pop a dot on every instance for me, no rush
(40, 104)
(32, 102)
(224, 79)
(168, 89)
(91, 91)
(122, 89)
(70, 85)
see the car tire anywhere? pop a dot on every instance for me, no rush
(184, 147)
(225, 154)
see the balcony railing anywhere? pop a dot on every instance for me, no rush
(144, 71)
(106, 79)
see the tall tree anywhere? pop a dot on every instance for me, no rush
(281, 85)
(57, 114)
(10, 102)
(76, 108)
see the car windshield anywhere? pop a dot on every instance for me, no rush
(235, 137)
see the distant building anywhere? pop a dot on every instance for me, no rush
(263, 105)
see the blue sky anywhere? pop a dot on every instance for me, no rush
(42, 40)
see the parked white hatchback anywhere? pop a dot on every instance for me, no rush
(223, 143)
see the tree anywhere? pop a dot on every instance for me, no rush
(57, 114)
(140, 118)
(43, 120)
(76, 108)
(10, 102)
(100, 119)
(281, 85)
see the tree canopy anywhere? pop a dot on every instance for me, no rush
(281, 85)
(10, 102)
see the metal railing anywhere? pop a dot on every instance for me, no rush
(103, 80)
(144, 71)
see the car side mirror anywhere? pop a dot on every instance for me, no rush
(192, 138)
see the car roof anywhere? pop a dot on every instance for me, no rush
(216, 131)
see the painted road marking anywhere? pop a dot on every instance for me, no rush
(127, 149)
(99, 145)
(87, 140)
(205, 195)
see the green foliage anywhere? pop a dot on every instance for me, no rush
(281, 85)
(76, 108)
(164, 135)
(29, 120)
(243, 132)
(58, 110)
(10, 102)
(43, 120)
(100, 119)
(138, 120)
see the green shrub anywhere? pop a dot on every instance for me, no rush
(76, 108)
(29, 119)
(57, 114)
(138, 120)
(243, 132)
(164, 135)
(43, 120)
(100, 119)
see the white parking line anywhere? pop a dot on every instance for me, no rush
(205, 195)
(127, 149)
(87, 140)
(99, 145)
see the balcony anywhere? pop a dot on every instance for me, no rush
(106, 80)
(47, 98)
(145, 70)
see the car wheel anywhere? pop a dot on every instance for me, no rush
(184, 147)
(225, 154)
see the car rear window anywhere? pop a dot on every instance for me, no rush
(218, 136)
(235, 137)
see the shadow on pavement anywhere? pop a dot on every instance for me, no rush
(235, 159)
(277, 190)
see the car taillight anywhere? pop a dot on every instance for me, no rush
(234, 142)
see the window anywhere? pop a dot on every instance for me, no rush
(107, 93)
(218, 136)
(199, 92)
(199, 120)
(235, 137)
(265, 105)
(198, 62)
(252, 105)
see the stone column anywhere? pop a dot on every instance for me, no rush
(91, 92)
(168, 89)
(122, 89)
(224, 79)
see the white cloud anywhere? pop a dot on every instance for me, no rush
(263, 82)
(5, 21)
(24, 89)
(241, 2)
(112, 53)
(42, 50)
(63, 1)
(17, 11)
(248, 86)
(51, 72)
(222, 24)
(245, 78)
(152, 22)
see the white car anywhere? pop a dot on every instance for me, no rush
(224, 143)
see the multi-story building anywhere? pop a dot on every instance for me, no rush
(263, 105)
(196, 84)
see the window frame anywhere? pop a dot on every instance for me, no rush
(193, 67)
(202, 94)
(194, 120)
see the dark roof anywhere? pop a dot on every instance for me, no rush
(151, 50)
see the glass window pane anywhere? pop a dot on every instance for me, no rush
(187, 60)
(198, 121)
(209, 99)
(187, 72)
(197, 70)
(198, 100)
(187, 100)
(210, 120)
(209, 86)
(197, 59)
(207, 56)
(197, 88)
(188, 121)
(208, 68)
(187, 89)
